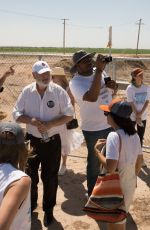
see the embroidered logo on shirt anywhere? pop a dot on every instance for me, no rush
(50, 104)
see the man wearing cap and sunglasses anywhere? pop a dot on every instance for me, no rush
(44, 106)
(90, 89)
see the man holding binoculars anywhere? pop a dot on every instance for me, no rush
(91, 87)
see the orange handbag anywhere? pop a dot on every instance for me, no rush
(106, 199)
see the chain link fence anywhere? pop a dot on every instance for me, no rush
(119, 70)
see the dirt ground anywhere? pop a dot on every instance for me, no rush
(72, 186)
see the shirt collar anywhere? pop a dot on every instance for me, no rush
(49, 87)
(34, 87)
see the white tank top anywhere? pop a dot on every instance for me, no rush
(9, 174)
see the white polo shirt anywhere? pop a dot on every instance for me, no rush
(54, 104)
(92, 117)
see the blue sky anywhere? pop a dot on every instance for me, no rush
(38, 23)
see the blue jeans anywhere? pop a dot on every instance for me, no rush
(93, 163)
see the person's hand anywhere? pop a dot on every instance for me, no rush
(42, 127)
(139, 121)
(10, 71)
(100, 63)
(48, 124)
(112, 85)
(99, 145)
(35, 122)
(138, 114)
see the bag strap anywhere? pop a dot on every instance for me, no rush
(120, 145)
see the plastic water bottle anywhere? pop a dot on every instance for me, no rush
(141, 124)
(45, 137)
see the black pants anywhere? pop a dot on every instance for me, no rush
(141, 130)
(49, 155)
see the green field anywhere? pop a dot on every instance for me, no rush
(72, 50)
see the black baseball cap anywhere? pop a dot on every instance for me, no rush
(118, 107)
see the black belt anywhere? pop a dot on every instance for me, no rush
(52, 138)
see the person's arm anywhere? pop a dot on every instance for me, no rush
(92, 94)
(71, 97)
(112, 85)
(28, 120)
(133, 107)
(109, 164)
(139, 113)
(18, 111)
(58, 121)
(5, 75)
(139, 163)
(14, 196)
(130, 98)
(45, 126)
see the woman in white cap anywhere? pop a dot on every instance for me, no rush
(70, 139)
(14, 183)
(123, 152)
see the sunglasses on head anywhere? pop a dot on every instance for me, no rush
(106, 113)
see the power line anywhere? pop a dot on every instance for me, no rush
(85, 26)
(26, 14)
(54, 18)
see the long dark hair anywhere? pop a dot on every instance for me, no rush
(133, 82)
(124, 123)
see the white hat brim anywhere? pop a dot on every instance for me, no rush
(44, 70)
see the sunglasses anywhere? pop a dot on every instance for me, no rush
(106, 113)
(85, 60)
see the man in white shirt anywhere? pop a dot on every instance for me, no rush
(89, 89)
(43, 106)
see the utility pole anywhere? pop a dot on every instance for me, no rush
(64, 33)
(139, 24)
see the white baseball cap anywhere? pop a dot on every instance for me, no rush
(41, 67)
